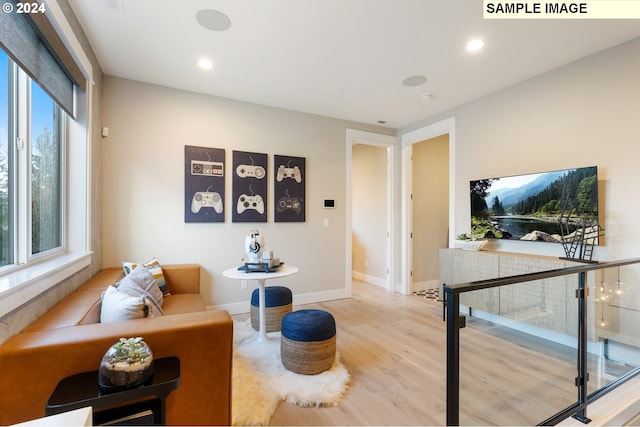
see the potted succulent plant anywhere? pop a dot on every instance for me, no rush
(475, 240)
(128, 363)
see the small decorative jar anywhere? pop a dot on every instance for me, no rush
(127, 364)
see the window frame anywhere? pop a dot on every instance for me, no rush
(25, 282)
(62, 183)
(20, 150)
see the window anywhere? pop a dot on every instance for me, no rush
(5, 237)
(31, 172)
(46, 191)
(46, 152)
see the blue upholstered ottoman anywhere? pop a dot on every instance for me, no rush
(278, 301)
(308, 343)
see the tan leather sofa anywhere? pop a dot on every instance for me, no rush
(69, 339)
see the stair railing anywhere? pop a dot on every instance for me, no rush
(456, 321)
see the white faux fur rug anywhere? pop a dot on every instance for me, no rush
(259, 384)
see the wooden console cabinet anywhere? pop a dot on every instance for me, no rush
(549, 303)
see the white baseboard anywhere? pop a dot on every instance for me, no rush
(301, 299)
(369, 279)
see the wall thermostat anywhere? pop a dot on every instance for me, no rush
(328, 203)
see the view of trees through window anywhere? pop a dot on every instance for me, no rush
(5, 227)
(45, 171)
(43, 180)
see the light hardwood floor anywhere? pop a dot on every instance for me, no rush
(394, 348)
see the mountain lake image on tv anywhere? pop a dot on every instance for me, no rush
(552, 206)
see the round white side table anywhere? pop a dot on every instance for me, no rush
(262, 341)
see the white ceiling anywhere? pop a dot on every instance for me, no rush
(338, 58)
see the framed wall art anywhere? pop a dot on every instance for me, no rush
(249, 187)
(289, 188)
(204, 171)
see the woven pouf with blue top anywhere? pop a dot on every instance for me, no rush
(278, 300)
(308, 343)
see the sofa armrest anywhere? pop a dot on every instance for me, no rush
(34, 362)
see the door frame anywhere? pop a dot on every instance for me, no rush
(446, 126)
(390, 143)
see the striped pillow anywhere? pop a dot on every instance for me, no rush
(154, 268)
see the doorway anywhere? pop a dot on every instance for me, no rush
(433, 236)
(429, 210)
(369, 216)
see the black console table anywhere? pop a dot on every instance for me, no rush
(80, 390)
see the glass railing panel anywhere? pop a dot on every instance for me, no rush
(614, 324)
(517, 353)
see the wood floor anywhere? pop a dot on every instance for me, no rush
(394, 348)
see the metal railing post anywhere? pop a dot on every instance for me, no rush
(583, 375)
(453, 356)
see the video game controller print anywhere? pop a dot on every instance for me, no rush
(246, 202)
(247, 171)
(206, 199)
(285, 172)
(291, 203)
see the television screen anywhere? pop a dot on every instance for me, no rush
(549, 206)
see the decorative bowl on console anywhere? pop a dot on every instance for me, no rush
(471, 245)
(127, 364)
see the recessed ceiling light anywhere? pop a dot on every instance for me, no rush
(475, 45)
(213, 20)
(205, 64)
(414, 80)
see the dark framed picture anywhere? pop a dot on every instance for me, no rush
(204, 171)
(289, 188)
(249, 187)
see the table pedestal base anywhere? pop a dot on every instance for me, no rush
(260, 348)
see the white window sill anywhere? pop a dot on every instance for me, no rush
(21, 286)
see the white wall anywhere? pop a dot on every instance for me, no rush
(583, 114)
(143, 204)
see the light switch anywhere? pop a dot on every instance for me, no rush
(326, 222)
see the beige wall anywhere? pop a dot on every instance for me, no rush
(370, 214)
(144, 187)
(430, 208)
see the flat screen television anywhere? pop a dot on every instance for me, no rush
(548, 206)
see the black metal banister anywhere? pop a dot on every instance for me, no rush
(452, 304)
(527, 277)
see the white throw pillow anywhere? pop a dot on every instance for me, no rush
(118, 306)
